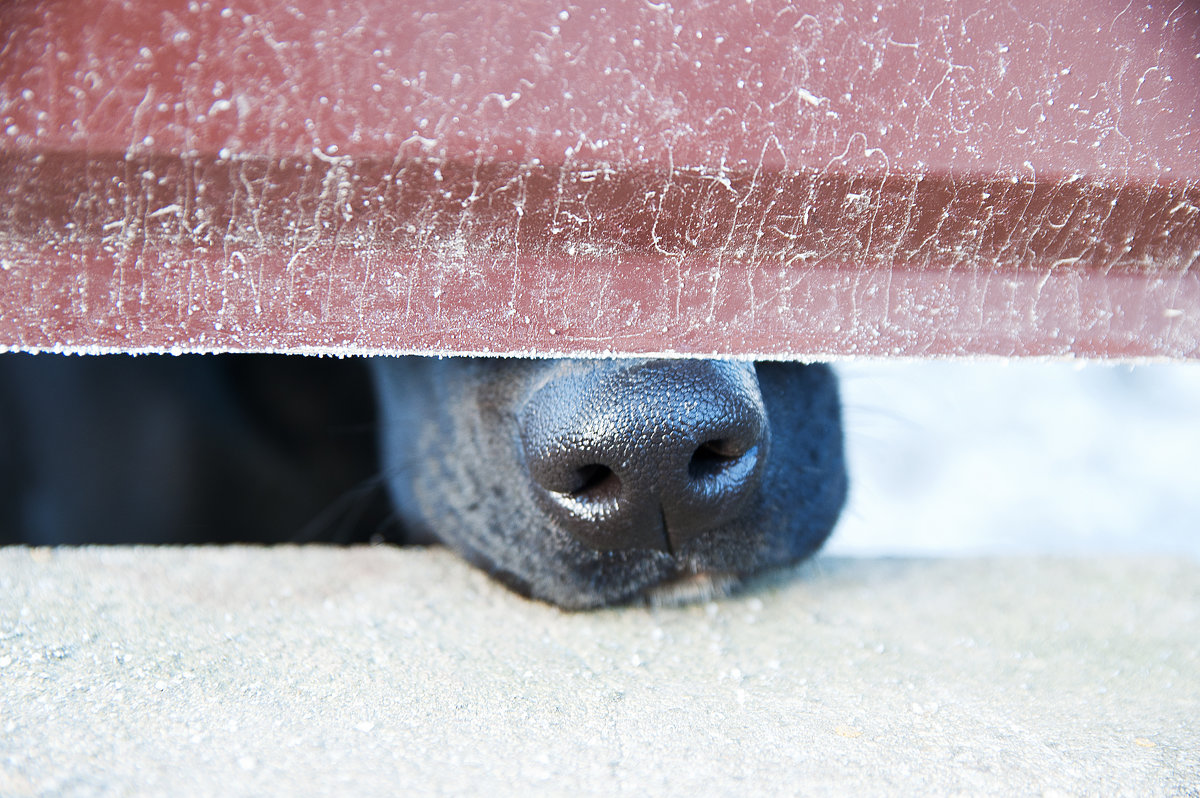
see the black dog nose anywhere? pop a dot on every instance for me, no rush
(646, 454)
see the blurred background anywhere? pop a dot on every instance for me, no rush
(952, 458)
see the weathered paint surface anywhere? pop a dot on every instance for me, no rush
(736, 178)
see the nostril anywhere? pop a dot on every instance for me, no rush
(592, 482)
(714, 457)
(595, 482)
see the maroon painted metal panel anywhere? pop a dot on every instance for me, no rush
(734, 177)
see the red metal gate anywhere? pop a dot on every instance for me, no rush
(740, 177)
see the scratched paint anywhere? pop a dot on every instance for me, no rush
(738, 178)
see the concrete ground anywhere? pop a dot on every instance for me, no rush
(376, 671)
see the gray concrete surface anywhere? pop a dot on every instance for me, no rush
(314, 671)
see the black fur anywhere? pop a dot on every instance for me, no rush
(119, 449)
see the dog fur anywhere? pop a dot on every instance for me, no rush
(202, 448)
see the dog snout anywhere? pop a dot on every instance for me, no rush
(648, 455)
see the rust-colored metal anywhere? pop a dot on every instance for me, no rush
(737, 178)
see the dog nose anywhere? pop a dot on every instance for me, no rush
(646, 455)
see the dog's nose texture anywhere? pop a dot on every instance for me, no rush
(646, 456)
